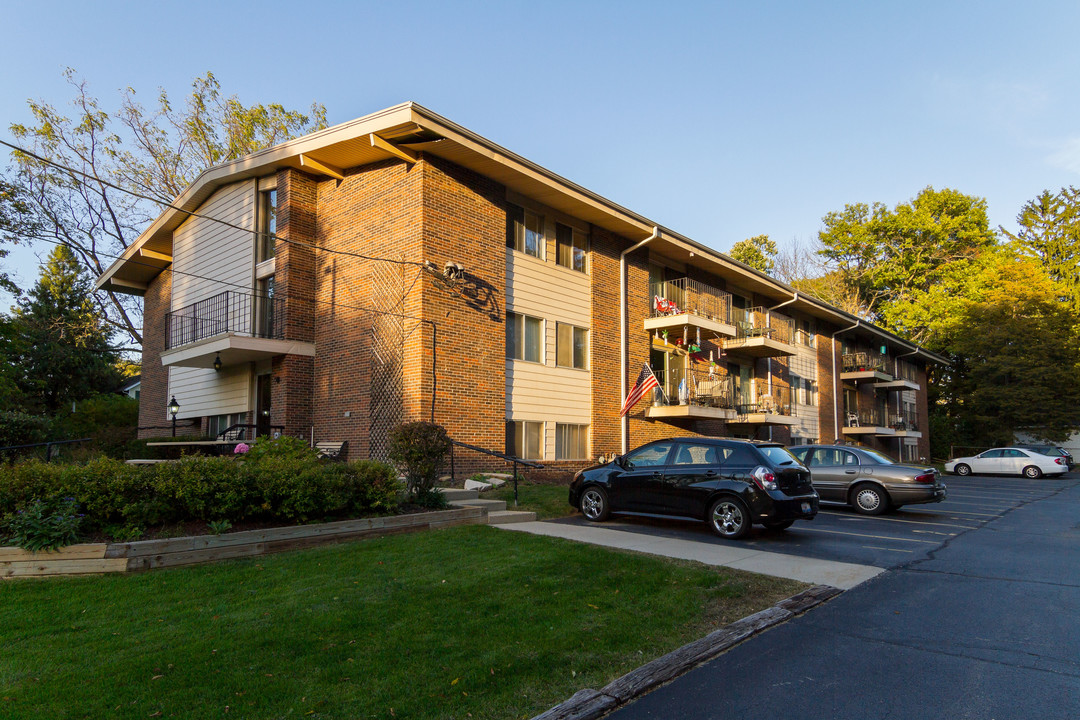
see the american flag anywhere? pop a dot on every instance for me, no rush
(646, 381)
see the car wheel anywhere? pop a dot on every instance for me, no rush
(869, 499)
(729, 518)
(1032, 472)
(962, 469)
(778, 525)
(594, 504)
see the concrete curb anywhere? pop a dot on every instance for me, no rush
(590, 704)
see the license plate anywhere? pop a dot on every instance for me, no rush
(806, 507)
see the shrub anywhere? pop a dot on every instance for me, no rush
(203, 488)
(114, 492)
(420, 450)
(363, 486)
(287, 487)
(280, 447)
(109, 420)
(45, 525)
(19, 428)
(432, 499)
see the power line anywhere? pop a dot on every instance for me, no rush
(191, 213)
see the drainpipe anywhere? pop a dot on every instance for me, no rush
(794, 298)
(836, 382)
(624, 421)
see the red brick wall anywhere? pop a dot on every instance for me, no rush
(155, 378)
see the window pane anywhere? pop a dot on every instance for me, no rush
(532, 436)
(532, 342)
(570, 441)
(581, 344)
(564, 345)
(649, 455)
(564, 240)
(513, 335)
(534, 234)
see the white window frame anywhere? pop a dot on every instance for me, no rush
(574, 330)
(520, 440)
(517, 352)
(560, 445)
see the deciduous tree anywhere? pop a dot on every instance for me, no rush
(759, 252)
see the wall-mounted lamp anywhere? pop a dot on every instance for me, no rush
(217, 362)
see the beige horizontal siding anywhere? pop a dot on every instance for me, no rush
(203, 392)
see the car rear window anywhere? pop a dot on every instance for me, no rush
(779, 455)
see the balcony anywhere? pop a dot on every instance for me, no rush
(865, 366)
(767, 406)
(904, 378)
(760, 333)
(685, 303)
(866, 422)
(906, 424)
(230, 327)
(695, 394)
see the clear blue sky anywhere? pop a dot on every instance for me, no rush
(720, 120)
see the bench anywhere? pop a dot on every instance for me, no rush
(332, 450)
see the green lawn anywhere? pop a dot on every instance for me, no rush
(470, 621)
(547, 501)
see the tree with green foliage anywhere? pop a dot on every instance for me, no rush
(57, 339)
(155, 153)
(759, 252)
(1050, 233)
(890, 256)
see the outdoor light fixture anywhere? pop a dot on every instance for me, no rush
(174, 408)
(217, 362)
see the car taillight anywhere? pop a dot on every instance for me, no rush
(925, 478)
(1059, 461)
(764, 478)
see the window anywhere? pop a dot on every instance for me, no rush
(571, 346)
(571, 247)
(696, 454)
(806, 333)
(571, 441)
(267, 225)
(525, 231)
(217, 424)
(265, 323)
(523, 337)
(526, 440)
(648, 456)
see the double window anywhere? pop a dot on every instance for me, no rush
(524, 338)
(572, 247)
(571, 346)
(571, 441)
(525, 231)
(525, 439)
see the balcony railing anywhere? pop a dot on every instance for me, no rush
(766, 401)
(906, 420)
(757, 322)
(865, 362)
(864, 418)
(675, 297)
(695, 387)
(228, 312)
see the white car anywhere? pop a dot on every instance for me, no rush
(1008, 461)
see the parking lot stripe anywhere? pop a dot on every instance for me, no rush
(899, 520)
(875, 547)
(879, 537)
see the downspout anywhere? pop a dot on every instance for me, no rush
(836, 382)
(624, 421)
(794, 298)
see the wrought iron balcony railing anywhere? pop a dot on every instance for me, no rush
(865, 361)
(227, 312)
(864, 418)
(674, 297)
(906, 420)
(757, 322)
(695, 388)
(766, 401)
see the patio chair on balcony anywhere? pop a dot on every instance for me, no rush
(852, 420)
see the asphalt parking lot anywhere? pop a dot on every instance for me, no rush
(839, 533)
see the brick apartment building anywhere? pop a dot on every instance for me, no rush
(400, 267)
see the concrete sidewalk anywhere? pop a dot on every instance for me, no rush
(819, 572)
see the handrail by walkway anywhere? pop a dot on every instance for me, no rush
(508, 458)
(47, 445)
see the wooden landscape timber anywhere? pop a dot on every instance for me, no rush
(99, 558)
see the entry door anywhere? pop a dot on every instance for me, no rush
(262, 404)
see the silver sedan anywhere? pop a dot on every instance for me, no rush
(869, 481)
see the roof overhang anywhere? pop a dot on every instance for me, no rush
(403, 132)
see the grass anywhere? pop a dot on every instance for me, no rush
(547, 501)
(463, 622)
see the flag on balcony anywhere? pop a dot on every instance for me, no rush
(646, 381)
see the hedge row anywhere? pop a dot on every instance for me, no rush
(276, 480)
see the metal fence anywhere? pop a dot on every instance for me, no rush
(864, 361)
(227, 312)
(758, 322)
(674, 297)
(776, 400)
(696, 387)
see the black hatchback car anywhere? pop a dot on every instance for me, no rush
(730, 484)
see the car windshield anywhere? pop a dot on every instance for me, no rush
(878, 457)
(780, 455)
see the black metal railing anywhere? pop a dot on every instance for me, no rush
(675, 297)
(696, 387)
(240, 432)
(865, 361)
(864, 418)
(228, 312)
(513, 460)
(757, 322)
(766, 401)
(906, 420)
